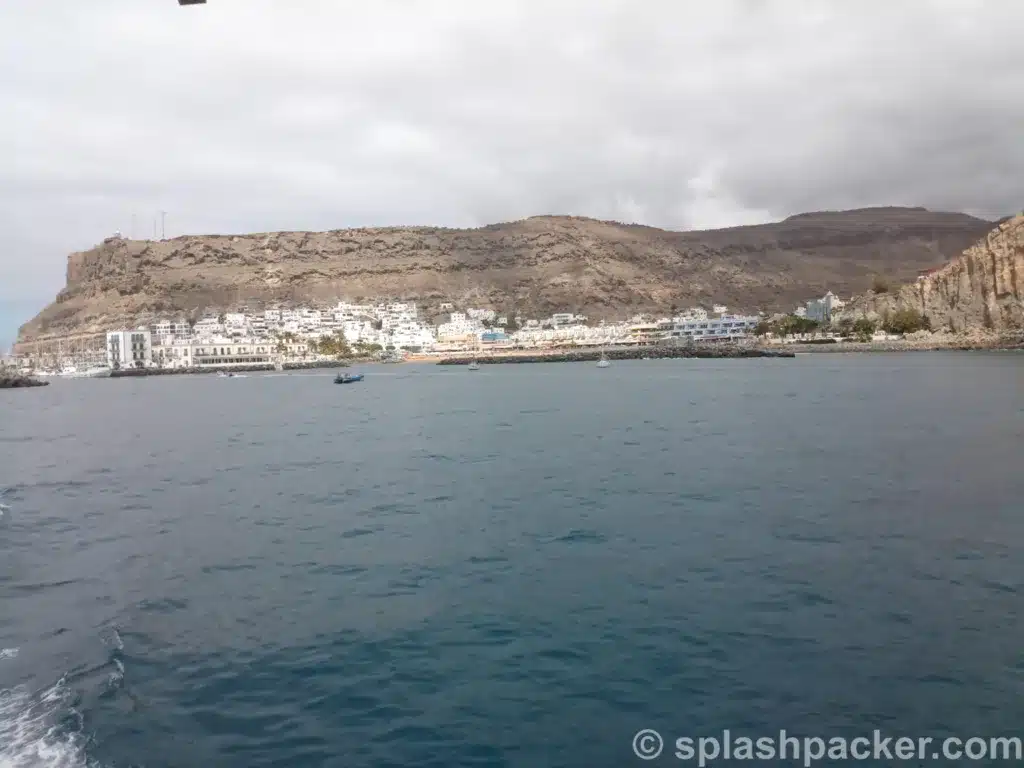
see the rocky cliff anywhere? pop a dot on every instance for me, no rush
(534, 266)
(982, 289)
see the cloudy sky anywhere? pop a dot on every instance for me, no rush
(254, 115)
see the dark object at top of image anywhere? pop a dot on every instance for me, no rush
(191, 2)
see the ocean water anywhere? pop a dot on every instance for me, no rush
(521, 566)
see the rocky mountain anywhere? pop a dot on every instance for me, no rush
(982, 289)
(534, 266)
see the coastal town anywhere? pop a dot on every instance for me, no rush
(111, 329)
(395, 331)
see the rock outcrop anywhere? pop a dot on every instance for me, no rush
(11, 380)
(535, 266)
(980, 290)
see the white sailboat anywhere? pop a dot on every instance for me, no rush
(473, 366)
(603, 362)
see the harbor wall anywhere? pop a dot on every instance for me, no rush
(717, 351)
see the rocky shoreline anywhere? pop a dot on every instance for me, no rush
(920, 342)
(17, 381)
(633, 353)
(125, 373)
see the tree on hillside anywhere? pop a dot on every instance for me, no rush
(785, 326)
(905, 321)
(336, 345)
(863, 329)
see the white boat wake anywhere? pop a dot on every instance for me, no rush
(30, 736)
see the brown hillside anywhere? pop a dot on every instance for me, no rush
(982, 289)
(535, 266)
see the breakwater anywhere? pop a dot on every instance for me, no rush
(936, 343)
(632, 353)
(17, 381)
(255, 368)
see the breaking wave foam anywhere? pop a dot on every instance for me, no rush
(31, 732)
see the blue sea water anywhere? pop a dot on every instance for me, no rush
(522, 566)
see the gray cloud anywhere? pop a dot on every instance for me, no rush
(257, 114)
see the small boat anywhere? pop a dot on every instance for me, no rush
(603, 362)
(473, 366)
(348, 378)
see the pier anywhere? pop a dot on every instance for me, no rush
(630, 353)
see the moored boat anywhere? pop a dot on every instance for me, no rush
(348, 378)
(97, 372)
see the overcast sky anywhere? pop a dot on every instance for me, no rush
(255, 115)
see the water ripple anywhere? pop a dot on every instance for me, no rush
(521, 575)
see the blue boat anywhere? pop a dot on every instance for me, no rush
(348, 378)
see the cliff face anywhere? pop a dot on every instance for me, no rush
(983, 288)
(534, 266)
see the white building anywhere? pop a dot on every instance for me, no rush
(561, 319)
(309, 320)
(272, 319)
(236, 324)
(459, 326)
(693, 313)
(130, 349)
(712, 329)
(411, 334)
(166, 331)
(258, 326)
(822, 309)
(208, 327)
(176, 354)
(534, 336)
(346, 312)
(360, 332)
(231, 353)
